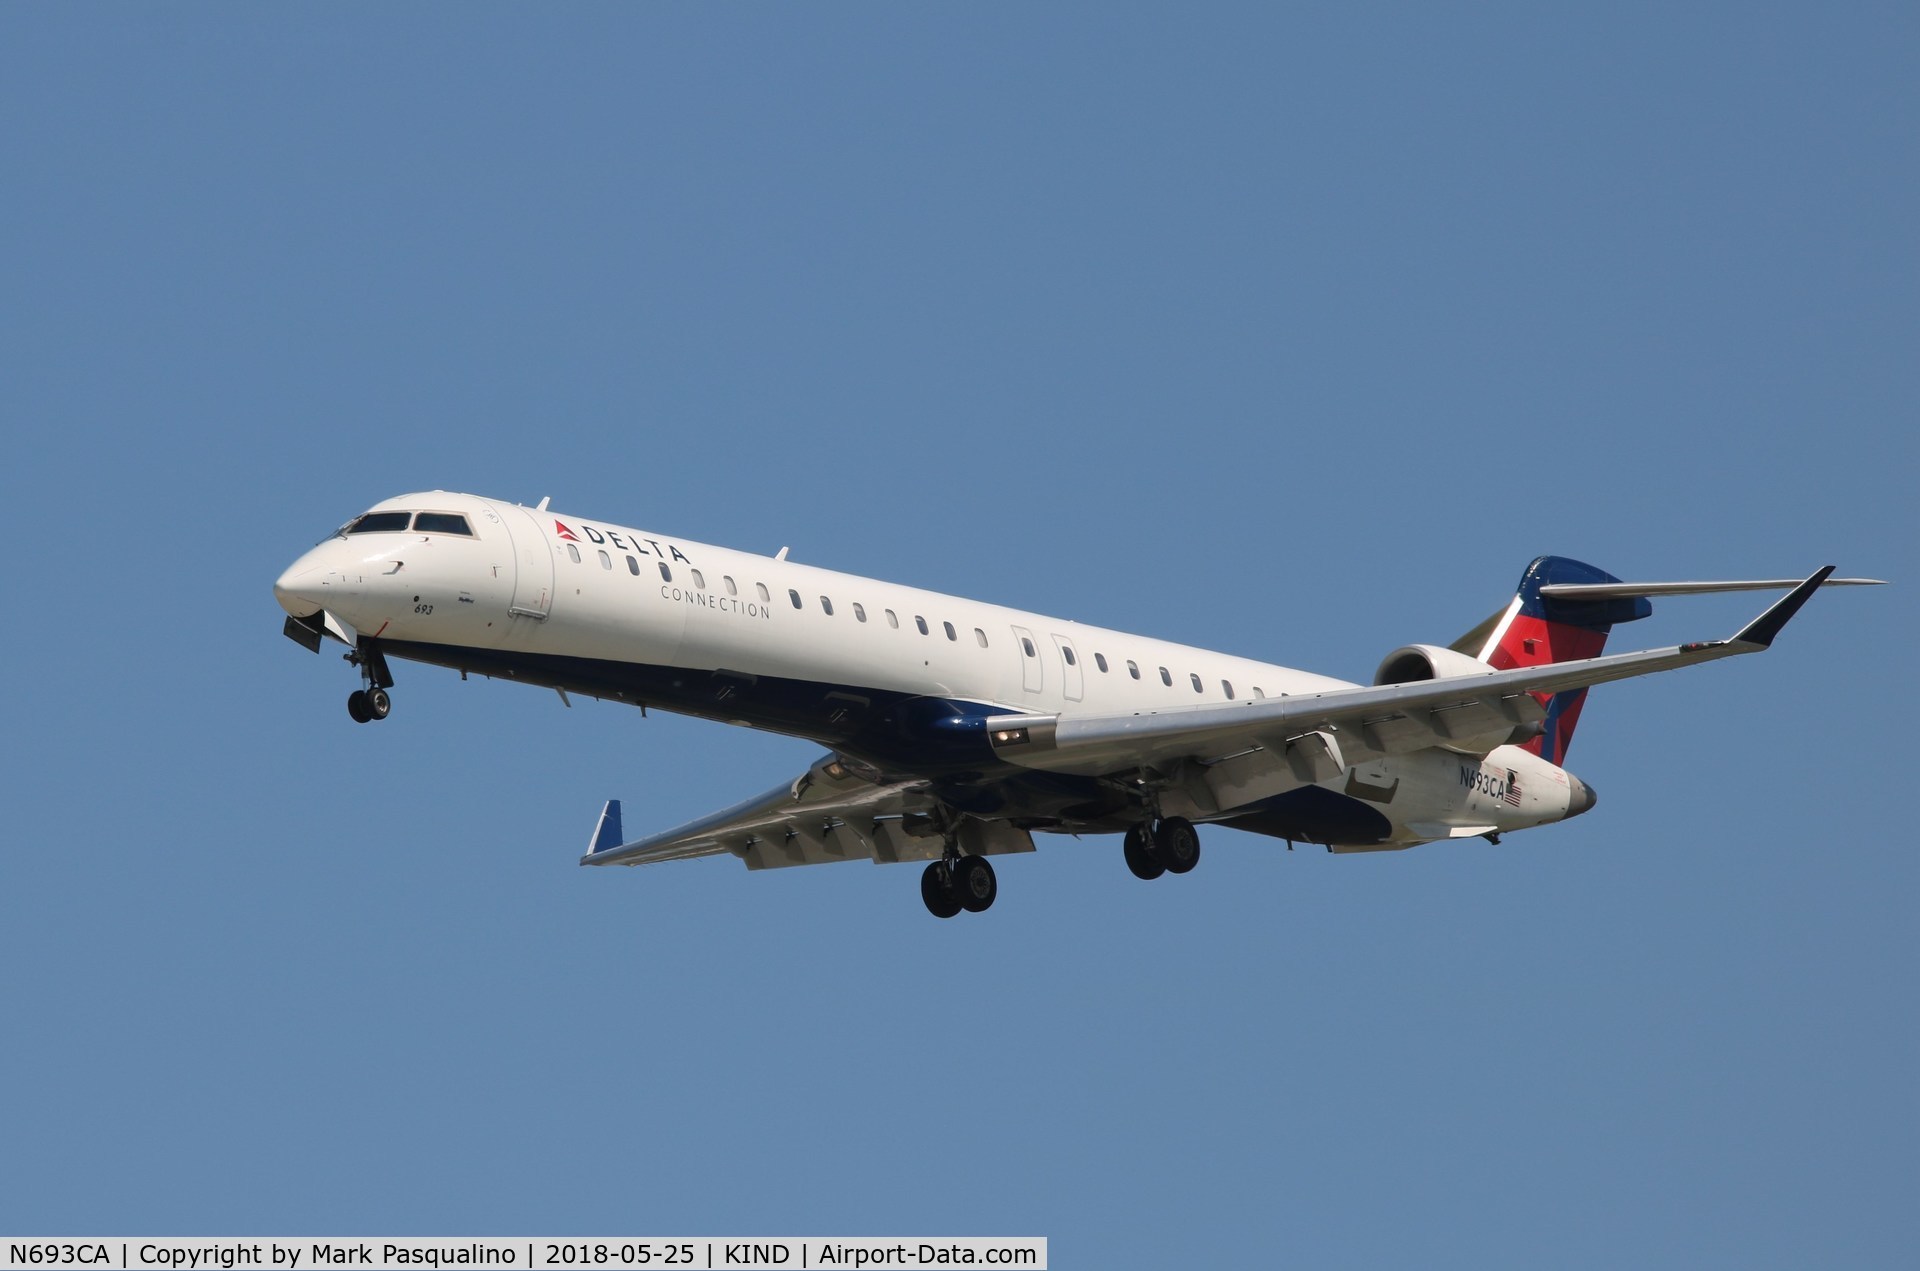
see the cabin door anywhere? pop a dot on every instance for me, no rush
(533, 564)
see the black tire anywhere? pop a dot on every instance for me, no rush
(975, 884)
(1139, 854)
(358, 708)
(937, 891)
(1176, 844)
(379, 705)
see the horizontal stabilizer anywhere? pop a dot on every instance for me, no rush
(1613, 591)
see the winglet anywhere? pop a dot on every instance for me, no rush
(1761, 630)
(606, 835)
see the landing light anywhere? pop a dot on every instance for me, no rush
(1009, 736)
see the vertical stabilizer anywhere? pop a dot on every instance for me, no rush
(1537, 629)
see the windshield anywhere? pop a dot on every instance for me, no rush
(441, 523)
(378, 523)
(397, 522)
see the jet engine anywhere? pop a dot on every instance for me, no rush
(1415, 662)
(1474, 732)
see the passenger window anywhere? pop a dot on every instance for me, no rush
(1258, 691)
(764, 597)
(633, 567)
(606, 562)
(892, 621)
(1165, 678)
(826, 606)
(699, 579)
(1100, 660)
(794, 596)
(1067, 653)
(981, 636)
(1133, 668)
(859, 612)
(1196, 684)
(921, 623)
(666, 575)
(728, 580)
(441, 523)
(1226, 686)
(380, 523)
(951, 633)
(1027, 645)
(574, 552)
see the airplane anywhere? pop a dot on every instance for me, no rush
(954, 729)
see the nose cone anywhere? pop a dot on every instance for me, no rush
(298, 590)
(1580, 796)
(312, 583)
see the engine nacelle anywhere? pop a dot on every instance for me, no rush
(1417, 662)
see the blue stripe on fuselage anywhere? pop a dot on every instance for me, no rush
(901, 735)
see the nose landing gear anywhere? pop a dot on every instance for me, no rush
(367, 705)
(371, 703)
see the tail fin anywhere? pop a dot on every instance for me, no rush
(1536, 629)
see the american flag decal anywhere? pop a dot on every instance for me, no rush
(1513, 789)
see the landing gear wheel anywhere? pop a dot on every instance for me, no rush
(1177, 844)
(1139, 853)
(974, 881)
(357, 706)
(936, 889)
(379, 705)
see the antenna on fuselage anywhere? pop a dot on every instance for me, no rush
(543, 503)
(781, 554)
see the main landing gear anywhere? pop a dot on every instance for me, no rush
(371, 703)
(957, 882)
(1168, 846)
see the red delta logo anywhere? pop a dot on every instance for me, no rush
(560, 527)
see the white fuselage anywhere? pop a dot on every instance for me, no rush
(851, 662)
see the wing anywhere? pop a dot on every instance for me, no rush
(1319, 734)
(830, 813)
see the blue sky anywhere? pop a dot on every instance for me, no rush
(1294, 332)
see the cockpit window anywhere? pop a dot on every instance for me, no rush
(380, 523)
(396, 522)
(441, 523)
